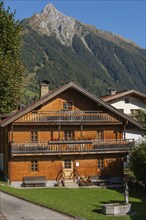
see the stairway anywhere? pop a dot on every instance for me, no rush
(70, 183)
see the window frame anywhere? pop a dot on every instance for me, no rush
(68, 106)
(34, 136)
(100, 163)
(34, 166)
(68, 135)
(100, 135)
(67, 164)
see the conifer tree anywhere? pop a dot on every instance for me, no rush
(11, 68)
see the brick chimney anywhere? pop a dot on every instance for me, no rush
(44, 89)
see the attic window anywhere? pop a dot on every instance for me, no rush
(126, 100)
(67, 106)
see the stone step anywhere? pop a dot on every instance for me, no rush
(70, 184)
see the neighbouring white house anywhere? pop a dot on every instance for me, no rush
(129, 102)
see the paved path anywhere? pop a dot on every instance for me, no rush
(2, 216)
(17, 209)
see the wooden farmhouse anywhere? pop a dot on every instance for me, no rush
(67, 132)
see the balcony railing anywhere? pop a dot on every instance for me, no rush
(64, 117)
(72, 147)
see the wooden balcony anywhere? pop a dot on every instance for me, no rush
(68, 117)
(72, 147)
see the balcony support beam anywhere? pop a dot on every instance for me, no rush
(81, 136)
(59, 129)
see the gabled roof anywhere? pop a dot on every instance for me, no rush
(124, 93)
(58, 91)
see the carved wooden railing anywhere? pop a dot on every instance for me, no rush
(72, 147)
(63, 117)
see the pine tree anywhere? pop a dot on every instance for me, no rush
(11, 68)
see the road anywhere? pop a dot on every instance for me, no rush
(18, 209)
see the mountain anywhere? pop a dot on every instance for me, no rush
(59, 49)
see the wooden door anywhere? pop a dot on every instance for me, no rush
(67, 168)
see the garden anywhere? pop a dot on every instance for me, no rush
(83, 202)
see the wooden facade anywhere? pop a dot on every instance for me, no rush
(66, 132)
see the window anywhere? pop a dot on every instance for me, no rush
(34, 165)
(68, 135)
(67, 106)
(100, 135)
(126, 100)
(121, 110)
(134, 111)
(67, 164)
(34, 136)
(100, 163)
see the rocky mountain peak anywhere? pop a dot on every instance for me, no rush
(50, 12)
(51, 22)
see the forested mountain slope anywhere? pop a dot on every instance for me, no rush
(60, 49)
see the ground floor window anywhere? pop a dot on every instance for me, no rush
(67, 164)
(100, 163)
(34, 165)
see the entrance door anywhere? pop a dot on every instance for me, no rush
(68, 168)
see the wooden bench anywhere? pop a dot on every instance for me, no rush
(100, 180)
(34, 181)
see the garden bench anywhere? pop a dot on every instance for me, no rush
(34, 181)
(100, 180)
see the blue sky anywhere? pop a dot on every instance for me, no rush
(126, 17)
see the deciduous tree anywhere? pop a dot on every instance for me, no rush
(138, 162)
(11, 68)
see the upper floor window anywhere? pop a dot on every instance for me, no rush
(126, 100)
(100, 135)
(34, 165)
(34, 136)
(68, 135)
(134, 113)
(67, 106)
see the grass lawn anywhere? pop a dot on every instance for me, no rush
(83, 202)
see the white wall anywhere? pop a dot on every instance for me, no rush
(135, 134)
(134, 103)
